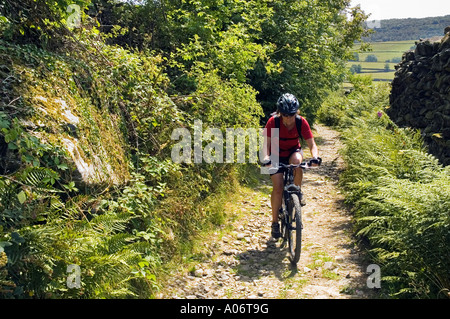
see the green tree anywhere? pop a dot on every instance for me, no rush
(371, 58)
(220, 34)
(312, 41)
(41, 22)
(355, 68)
(275, 46)
(355, 57)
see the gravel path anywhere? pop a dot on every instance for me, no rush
(243, 261)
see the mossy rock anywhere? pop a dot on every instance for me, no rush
(61, 114)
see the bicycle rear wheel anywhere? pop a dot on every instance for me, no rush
(294, 229)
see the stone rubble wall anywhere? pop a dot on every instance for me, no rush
(420, 96)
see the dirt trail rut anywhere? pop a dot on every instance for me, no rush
(245, 262)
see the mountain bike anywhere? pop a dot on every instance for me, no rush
(290, 213)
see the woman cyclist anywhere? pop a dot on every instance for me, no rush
(289, 149)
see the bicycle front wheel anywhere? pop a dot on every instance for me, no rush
(295, 229)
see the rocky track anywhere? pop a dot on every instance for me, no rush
(243, 261)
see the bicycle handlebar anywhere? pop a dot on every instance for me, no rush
(303, 165)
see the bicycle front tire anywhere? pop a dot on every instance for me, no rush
(295, 229)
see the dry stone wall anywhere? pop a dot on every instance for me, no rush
(420, 96)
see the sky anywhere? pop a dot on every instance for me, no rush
(401, 9)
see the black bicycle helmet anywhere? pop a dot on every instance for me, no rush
(288, 104)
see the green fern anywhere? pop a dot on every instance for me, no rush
(400, 197)
(39, 178)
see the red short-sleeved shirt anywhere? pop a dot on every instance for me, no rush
(289, 139)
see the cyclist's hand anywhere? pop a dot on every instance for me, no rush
(316, 161)
(266, 162)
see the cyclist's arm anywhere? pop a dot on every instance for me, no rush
(266, 149)
(313, 147)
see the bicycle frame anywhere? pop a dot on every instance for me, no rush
(288, 189)
(290, 211)
(288, 179)
(289, 186)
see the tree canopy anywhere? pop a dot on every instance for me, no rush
(275, 46)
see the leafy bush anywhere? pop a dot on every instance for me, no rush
(46, 225)
(119, 234)
(399, 194)
(366, 97)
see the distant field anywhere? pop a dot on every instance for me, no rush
(381, 76)
(375, 66)
(388, 50)
(384, 51)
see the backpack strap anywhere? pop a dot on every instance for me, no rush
(298, 123)
(277, 121)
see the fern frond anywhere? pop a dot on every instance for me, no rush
(115, 243)
(110, 223)
(39, 178)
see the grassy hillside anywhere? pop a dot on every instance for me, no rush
(389, 41)
(388, 50)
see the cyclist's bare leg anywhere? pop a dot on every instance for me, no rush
(297, 159)
(277, 195)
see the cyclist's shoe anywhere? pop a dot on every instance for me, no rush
(276, 230)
